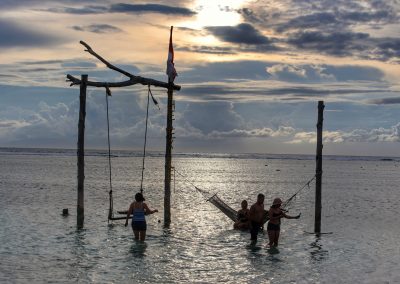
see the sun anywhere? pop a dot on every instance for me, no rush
(215, 13)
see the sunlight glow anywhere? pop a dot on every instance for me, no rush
(216, 13)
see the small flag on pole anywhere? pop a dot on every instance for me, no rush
(171, 72)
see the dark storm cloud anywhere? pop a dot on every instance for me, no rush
(241, 34)
(98, 28)
(16, 35)
(150, 8)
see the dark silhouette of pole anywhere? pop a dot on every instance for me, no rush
(81, 151)
(168, 161)
(318, 169)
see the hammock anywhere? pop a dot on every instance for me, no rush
(233, 214)
(223, 207)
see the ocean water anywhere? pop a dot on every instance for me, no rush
(38, 245)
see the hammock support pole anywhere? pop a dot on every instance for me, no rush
(318, 169)
(81, 151)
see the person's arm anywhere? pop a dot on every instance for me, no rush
(128, 214)
(147, 210)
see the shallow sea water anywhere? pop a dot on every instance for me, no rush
(37, 244)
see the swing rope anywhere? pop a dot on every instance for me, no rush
(111, 209)
(145, 137)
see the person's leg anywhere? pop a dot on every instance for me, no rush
(276, 238)
(254, 231)
(142, 235)
(271, 237)
(136, 233)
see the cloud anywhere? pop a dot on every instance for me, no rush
(345, 28)
(282, 131)
(240, 34)
(98, 28)
(15, 35)
(215, 116)
(385, 101)
(150, 8)
(380, 134)
(337, 43)
(124, 8)
(316, 20)
(86, 10)
(206, 49)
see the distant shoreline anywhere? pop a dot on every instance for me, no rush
(138, 153)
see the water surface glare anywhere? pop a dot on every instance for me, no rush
(38, 244)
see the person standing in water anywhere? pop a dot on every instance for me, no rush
(275, 214)
(256, 216)
(139, 209)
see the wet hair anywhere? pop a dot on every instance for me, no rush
(260, 195)
(139, 197)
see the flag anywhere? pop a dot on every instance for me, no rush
(171, 72)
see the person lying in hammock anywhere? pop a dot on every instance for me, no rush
(243, 222)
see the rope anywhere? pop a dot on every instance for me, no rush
(288, 202)
(111, 210)
(145, 138)
(286, 205)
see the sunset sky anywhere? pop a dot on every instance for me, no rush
(251, 73)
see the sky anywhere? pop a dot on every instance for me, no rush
(251, 72)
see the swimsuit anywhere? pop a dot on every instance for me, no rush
(274, 227)
(138, 220)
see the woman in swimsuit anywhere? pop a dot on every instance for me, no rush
(139, 209)
(275, 214)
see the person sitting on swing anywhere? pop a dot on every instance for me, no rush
(274, 224)
(139, 209)
(243, 222)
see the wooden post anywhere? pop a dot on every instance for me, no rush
(81, 151)
(318, 169)
(168, 161)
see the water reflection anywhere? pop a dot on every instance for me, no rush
(317, 252)
(138, 249)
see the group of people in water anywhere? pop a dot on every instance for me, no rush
(252, 219)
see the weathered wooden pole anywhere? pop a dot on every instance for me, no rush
(81, 151)
(318, 169)
(168, 161)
